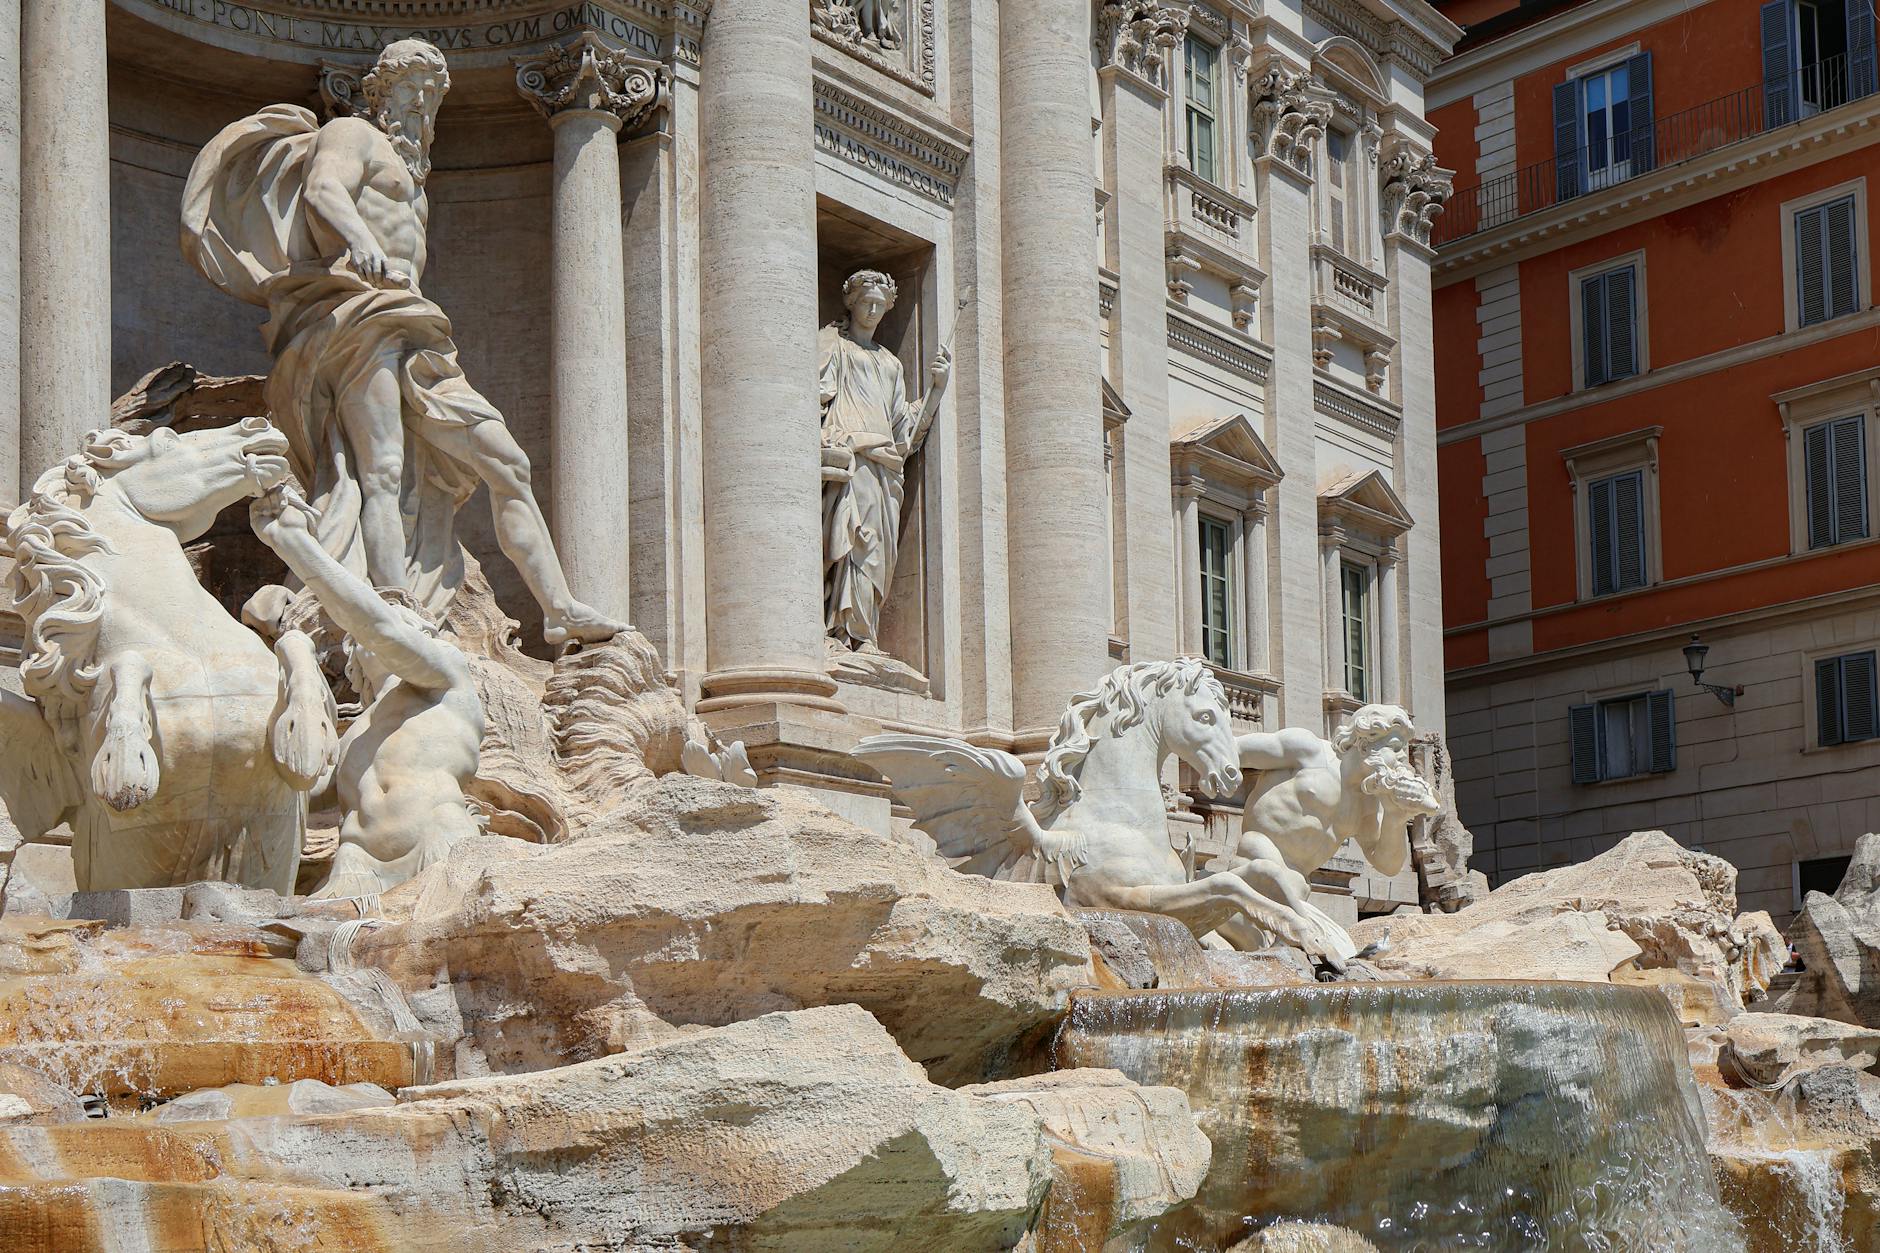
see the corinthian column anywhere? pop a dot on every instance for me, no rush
(1054, 436)
(65, 215)
(757, 340)
(587, 91)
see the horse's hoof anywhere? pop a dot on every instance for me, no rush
(124, 774)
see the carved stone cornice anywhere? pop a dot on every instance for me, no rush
(587, 74)
(1290, 110)
(887, 144)
(1138, 35)
(1414, 191)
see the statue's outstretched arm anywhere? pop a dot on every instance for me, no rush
(282, 519)
(1276, 750)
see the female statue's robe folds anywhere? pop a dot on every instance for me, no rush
(866, 413)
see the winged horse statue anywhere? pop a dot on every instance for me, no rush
(1099, 829)
(177, 746)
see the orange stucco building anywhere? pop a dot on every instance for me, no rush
(1658, 404)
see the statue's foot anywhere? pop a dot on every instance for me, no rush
(124, 772)
(580, 624)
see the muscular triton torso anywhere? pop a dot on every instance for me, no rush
(363, 197)
(403, 763)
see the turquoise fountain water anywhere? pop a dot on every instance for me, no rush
(1426, 1116)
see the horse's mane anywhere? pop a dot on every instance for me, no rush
(61, 600)
(1122, 694)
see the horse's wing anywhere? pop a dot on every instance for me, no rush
(36, 780)
(970, 800)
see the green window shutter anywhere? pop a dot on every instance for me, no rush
(1583, 739)
(1661, 709)
(1601, 542)
(1621, 324)
(1843, 278)
(1628, 526)
(1818, 476)
(1849, 473)
(1862, 79)
(1567, 156)
(1778, 68)
(1594, 309)
(1860, 701)
(1638, 73)
(1811, 295)
(1829, 729)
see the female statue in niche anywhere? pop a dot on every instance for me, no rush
(869, 430)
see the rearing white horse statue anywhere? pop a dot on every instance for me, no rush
(168, 735)
(1100, 828)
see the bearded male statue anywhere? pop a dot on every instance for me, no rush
(324, 226)
(1313, 794)
(869, 430)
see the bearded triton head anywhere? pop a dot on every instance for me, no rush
(403, 92)
(1378, 738)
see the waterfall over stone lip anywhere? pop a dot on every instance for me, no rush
(1426, 1116)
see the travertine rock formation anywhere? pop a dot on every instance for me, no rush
(804, 1130)
(1137, 1148)
(1648, 902)
(1768, 1050)
(1305, 1238)
(1838, 938)
(614, 941)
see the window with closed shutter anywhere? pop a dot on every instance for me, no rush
(1615, 516)
(1609, 325)
(1624, 737)
(1847, 703)
(1827, 264)
(1834, 460)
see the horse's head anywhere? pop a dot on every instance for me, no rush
(1197, 727)
(183, 480)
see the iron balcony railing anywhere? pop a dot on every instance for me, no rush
(1665, 141)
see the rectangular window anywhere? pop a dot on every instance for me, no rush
(1847, 705)
(1609, 326)
(1834, 463)
(1827, 276)
(1606, 121)
(1217, 592)
(1202, 77)
(1355, 594)
(1615, 517)
(1337, 189)
(1819, 874)
(1624, 737)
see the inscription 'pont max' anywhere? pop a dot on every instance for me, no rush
(362, 37)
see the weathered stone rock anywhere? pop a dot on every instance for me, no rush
(806, 1130)
(1838, 939)
(1305, 1238)
(1648, 901)
(1697, 1002)
(26, 1096)
(701, 903)
(1136, 1152)
(247, 1100)
(131, 1012)
(39, 880)
(1270, 967)
(1768, 1050)
(1154, 950)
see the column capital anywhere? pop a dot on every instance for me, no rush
(587, 75)
(1331, 538)
(1188, 487)
(1255, 512)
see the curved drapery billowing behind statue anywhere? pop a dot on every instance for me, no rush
(162, 729)
(324, 226)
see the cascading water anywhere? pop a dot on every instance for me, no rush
(1426, 1116)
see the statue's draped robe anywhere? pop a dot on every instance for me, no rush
(865, 410)
(330, 331)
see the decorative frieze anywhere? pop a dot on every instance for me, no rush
(1415, 189)
(1290, 111)
(1198, 341)
(586, 73)
(1138, 35)
(896, 38)
(886, 144)
(1354, 410)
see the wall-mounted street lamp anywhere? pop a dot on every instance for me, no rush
(1694, 654)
